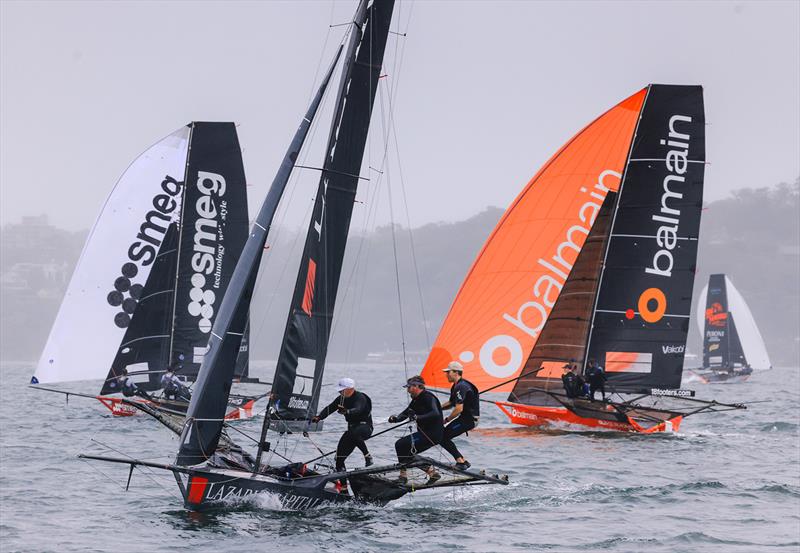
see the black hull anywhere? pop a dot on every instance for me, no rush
(297, 488)
(209, 487)
(726, 374)
(212, 488)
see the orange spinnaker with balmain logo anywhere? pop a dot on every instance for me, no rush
(508, 293)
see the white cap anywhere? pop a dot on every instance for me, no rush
(345, 383)
(454, 366)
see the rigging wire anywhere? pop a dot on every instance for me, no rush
(277, 229)
(396, 271)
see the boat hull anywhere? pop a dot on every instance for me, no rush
(123, 408)
(207, 489)
(531, 415)
(729, 377)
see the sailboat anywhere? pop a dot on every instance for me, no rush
(154, 268)
(732, 346)
(210, 467)
(595, 259)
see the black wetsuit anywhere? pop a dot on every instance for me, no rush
(358, 414)
(430, 428)
(463, 393)
(597, 380)
(573, 384)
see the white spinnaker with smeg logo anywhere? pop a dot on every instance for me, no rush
(124, 239)
(752, 343)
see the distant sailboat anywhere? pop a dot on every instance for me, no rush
(155, 266)
(209, 466)
(594, 259)
(732, 345)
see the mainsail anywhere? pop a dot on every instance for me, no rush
(301, 360)
(193, 267)
(730, 335)
(309, 321)
(641, 318)
(214, 228)
(119, 254)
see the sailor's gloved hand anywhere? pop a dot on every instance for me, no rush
(315, 419)
(393, 418)
(342, 410)
(412, 416)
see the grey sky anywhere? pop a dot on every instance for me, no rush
(488, 90)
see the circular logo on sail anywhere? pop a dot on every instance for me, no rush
(202, 301)
(652, 305)
(125, 295)
(143, 251)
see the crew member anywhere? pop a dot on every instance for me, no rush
(573, 382)
(129, 387)
(174, 389)
(426, 410)
(466, 410)
(357, 410)
(597, 379)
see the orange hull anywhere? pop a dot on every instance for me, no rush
(119, 408)
(529, 415)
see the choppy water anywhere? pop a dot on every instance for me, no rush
(727, 482)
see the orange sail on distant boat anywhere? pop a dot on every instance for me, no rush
(594, 259)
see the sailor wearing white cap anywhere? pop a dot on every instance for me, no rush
(357, 410)
(466, 407)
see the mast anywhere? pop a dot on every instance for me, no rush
(301, 361)
(203, 425)
(180, 240)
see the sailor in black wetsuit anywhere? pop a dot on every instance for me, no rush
(597, 379)
(466, 409)
(357, 410)
(426, 410)
(572, 381)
